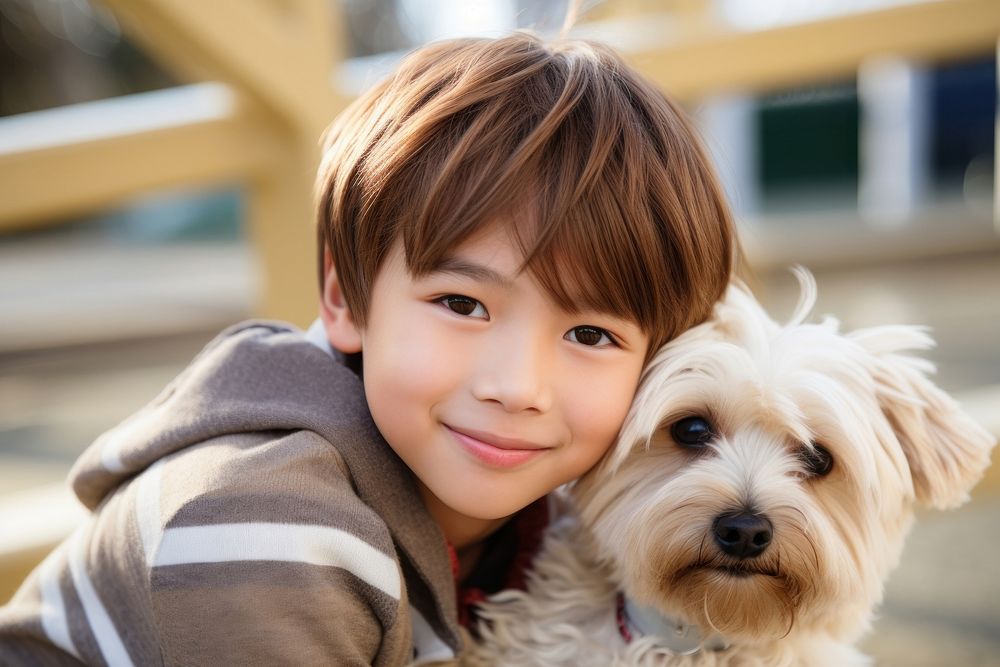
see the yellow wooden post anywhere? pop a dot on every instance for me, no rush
(280, 216)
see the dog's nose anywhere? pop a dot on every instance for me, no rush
(742, 535)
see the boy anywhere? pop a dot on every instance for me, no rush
(507, 229)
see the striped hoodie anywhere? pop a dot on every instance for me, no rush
(250, 515)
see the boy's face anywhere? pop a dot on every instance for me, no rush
(489, 392)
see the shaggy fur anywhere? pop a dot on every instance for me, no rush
(643, 518)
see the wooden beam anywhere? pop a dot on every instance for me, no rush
(279, 54)
(77, 159)
(692, 64)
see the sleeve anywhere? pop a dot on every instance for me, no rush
(267, 556)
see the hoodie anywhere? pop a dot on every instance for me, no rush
(250, 514)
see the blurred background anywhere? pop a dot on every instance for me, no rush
(156, 163)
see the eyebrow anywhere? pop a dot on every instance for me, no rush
(471, 270)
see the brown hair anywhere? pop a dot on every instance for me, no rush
(599, 175)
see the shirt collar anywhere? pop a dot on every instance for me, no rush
(316, 334)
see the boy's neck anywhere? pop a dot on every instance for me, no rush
(463, 532)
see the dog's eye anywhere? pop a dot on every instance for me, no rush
(692, 432)
(817, 460)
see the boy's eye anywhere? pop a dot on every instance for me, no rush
(590, 336)
(463, 305)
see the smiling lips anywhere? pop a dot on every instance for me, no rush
(495, 451)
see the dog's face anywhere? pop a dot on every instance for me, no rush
(766, 475)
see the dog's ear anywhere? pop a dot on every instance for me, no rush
(947, 451)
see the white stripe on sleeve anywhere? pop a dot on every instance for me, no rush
(110, 644)
(316, 545)
(147, 510)
(53, 613)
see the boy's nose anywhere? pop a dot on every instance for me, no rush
(517, 379)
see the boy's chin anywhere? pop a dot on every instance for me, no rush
(473, 505)
(489, 509)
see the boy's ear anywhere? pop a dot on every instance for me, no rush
(341, 330)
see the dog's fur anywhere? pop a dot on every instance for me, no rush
(643, 518)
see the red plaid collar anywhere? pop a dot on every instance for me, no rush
(526, 528)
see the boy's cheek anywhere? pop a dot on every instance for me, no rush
(419, 359)
(407, 381)
(599, 422)
(598, 411)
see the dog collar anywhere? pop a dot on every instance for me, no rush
(679, 638)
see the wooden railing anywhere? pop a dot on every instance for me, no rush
(86, 157)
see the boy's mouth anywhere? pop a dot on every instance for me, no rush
(496, 451)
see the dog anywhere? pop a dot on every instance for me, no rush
(756, 499)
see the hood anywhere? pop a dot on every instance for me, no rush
(259, 377)
(256, 376)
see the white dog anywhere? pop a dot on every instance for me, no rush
(757, 498)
